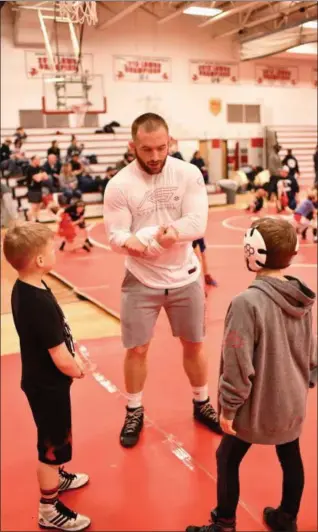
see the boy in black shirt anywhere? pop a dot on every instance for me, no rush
(49, 363)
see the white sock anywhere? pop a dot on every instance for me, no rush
(201, 393)
(134, 400)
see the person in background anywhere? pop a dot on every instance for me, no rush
(269, 362)
(292, 163)
(287, 190)
(111, 171)
(34, 179)
(274, 167)
(68, 183)
(316, 166)
(174, 152)
(54, 150)
(199, 247)
(5, 150)
(20, 134)
(128, 158)
(52, 167)
(9, 211)
(50, 362)
(73, 148)
(198, 161)
(76, 212)
(306, 215)
(258, 201)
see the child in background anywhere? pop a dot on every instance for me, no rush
(49, 364)
(258, 201)
(269, 361)
(71, 225)
(306, 215)
(287, 191)
(200, 248)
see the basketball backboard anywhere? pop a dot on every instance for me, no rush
(63, 94)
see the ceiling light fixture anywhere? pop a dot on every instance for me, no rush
(202, 11)
(311, 24)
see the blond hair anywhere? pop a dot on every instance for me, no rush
(280, 238)
(23, 241)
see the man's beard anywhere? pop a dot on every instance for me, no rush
(148, 169)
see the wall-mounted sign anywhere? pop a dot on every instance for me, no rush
(276, 76)
(130, 68)
(215, 106)
(38, 65)
(211, 72)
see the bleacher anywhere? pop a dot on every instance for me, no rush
(109, 149)
(302, 140)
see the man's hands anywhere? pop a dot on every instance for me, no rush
(134, 246)
(166, 237)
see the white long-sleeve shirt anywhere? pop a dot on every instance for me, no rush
(138, 203)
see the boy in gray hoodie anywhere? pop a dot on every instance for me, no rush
(269, 360)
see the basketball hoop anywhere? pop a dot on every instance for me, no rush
(80, 112)
(79, 12)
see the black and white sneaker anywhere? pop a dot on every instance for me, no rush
(71, 481)
(59, 516)
(205, 414)
(134, 422)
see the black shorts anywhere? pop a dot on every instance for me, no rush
(35, 196)
(52, 415)
(200, 242)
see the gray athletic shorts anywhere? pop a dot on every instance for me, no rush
(140, 307)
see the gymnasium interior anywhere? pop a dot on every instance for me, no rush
(233, 80)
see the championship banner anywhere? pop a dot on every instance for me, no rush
(37, 64)
(211, 72)
(276, 76)
(129, 68)
(314, 77)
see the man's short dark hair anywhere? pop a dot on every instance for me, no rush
(150, 122)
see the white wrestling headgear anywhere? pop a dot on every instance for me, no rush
(255, 251)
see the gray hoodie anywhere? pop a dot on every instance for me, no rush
(269, 359)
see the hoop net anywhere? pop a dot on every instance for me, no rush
(79, 112)
(79, 12)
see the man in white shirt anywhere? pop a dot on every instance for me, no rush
(153, 210)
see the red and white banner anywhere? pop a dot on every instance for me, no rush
(276, 76)
(314, 77)
(210, 72)
(38, 65)
(130, 68)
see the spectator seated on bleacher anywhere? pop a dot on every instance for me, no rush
(20, 134)
(109, 174)
(85, 182)
(69, 183)
(52, 168)
(74, 147)
(5, 150)
(16, 164)
(54, 150)
(129, 157)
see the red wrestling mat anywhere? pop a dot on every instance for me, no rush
(104, 269)
(168, 481)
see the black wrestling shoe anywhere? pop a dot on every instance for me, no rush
(62, 246)
(279, 521)
(88, 242)
(220, 525)
(205, 414)
(133, 425)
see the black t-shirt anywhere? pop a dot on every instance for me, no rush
(75, 166)
(41, 325)
(30, 172)
(74, 215)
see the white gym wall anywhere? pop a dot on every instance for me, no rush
(184, 105)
